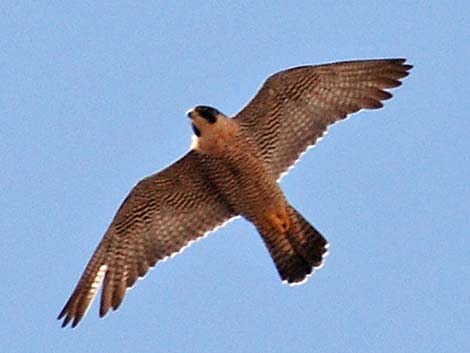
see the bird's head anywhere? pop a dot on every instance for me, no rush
(213, 131)
(206, 120)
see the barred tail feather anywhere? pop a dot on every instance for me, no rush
(299, 251)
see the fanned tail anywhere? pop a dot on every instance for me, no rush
(297, 252)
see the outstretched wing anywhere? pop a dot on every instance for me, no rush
(295, 107)
(161, 215)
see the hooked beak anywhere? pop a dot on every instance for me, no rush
(189, 113)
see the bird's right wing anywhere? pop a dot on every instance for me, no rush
(162, 214)
(295, 107)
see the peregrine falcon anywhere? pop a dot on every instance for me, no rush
(233, 169)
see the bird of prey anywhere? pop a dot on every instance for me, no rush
(233, 169)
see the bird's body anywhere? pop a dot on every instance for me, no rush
(237, 170)
(239, 174)
(232, 170)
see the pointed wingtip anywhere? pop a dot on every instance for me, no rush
(64, 315)
(66, 320)
(69, 319)
(76, 321)
(408, 67)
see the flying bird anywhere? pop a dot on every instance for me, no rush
(233, 169)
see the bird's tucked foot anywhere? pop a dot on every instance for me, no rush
(279, 220)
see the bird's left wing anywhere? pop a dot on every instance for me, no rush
(162, 214)
(295, 107)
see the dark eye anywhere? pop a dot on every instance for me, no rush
(197, 132)
(208, 113)
(212, 118)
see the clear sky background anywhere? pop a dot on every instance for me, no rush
(93, 97)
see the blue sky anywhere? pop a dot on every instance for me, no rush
(93, 98)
